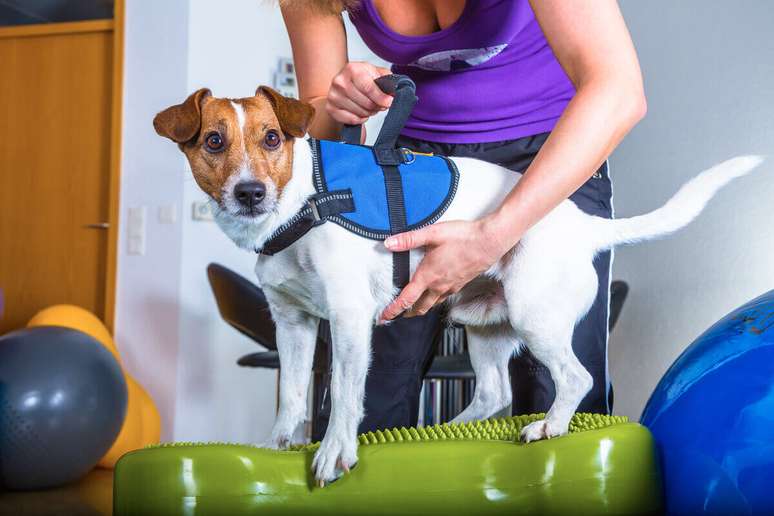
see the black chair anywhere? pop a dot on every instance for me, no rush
(450, 367)
(243, 305)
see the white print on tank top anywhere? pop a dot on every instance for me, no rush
(450, 60)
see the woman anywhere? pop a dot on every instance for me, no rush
(544, 87)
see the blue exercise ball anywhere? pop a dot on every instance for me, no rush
(62, 403)
(712, 416)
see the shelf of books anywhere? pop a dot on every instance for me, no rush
(441, 400)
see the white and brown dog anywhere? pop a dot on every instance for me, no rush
(243, 154)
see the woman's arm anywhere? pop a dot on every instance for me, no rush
(592, 43)
(340, 92)
(319, 46)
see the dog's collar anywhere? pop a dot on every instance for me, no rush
(317, 210)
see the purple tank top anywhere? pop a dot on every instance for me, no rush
(490, 76)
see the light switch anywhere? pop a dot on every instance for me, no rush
(136, 231)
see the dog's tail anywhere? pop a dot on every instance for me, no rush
(678, 211)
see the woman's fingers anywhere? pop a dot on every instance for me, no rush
(423, 305)
(366, 85)
(417, 297)
(362, 101)
(345, 117)
(405, 300)
(343, 86)
(340, 101)
(353, 96)
(412, 239)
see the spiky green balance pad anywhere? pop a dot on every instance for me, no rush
(604, 466)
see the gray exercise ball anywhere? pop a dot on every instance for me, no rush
(62, 403)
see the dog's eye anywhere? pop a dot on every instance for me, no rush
(213, 142)
(272, 139)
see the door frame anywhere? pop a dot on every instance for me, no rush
(116, 26)
(116, 133)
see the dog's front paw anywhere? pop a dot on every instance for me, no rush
(543, 429)
(281, 442)
(281, 438)
(278, 442)
(336, 456)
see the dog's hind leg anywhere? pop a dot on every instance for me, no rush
(549, 338)
(351, 337)
(490, 347)
(571, 381)
(296, 339)
(546, 297)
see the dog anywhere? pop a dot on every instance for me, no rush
(248, 156)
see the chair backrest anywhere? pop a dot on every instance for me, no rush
(242, 304)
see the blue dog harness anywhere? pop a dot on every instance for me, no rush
(353, 191)
(376, 191)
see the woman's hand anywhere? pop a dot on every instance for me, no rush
(354, 96)
(456, 252)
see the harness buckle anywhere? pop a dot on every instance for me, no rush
(315, 211)
(408, 156)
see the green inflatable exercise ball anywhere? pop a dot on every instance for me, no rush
(604, 466)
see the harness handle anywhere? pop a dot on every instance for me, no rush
(404, 91)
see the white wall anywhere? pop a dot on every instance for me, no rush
(709, 74)
(151, 173)
(231, 51)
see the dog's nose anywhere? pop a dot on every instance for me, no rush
(250, 194)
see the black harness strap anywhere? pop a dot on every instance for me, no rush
(403, 102)
(396, 207)
(319, 207)
(351, 134)
(388, 157)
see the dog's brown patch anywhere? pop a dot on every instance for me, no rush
(181, 122)
(294, 116)
(190, 123)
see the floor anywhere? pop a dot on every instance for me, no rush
(91, 496)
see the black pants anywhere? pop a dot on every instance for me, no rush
(402, 351)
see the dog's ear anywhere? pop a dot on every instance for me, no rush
(181, 123)
(294, 116)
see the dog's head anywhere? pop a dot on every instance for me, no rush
(240, 150)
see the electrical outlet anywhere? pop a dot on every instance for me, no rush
(201, 211)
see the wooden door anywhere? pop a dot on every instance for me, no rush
(56, 114)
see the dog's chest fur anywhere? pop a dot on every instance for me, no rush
(308, 274)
